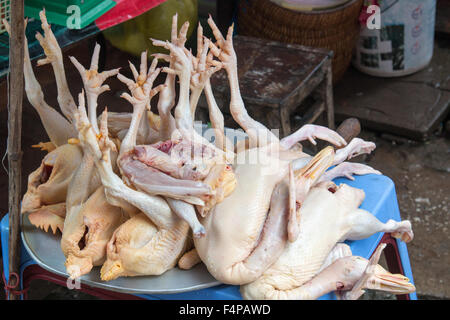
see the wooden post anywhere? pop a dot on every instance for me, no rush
(15, 94)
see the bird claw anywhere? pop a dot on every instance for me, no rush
(48, 42)
(361, 147)
(355, 148)
(348, 169)
(223, 48)
(141, 88)
(311, 132)
(92, 79)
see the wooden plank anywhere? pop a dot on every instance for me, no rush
(15, 93)
(271, 72)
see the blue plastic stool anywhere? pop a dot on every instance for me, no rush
(381, 200)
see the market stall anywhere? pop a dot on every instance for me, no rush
(148, 204)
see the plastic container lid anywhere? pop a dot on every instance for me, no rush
(309, 5)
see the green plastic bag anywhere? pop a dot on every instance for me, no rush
(133, 36)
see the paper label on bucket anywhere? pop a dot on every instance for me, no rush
(403, 44)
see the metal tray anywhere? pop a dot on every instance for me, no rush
(45, 249)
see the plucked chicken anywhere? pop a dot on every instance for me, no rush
(140, 192)
(273, 180)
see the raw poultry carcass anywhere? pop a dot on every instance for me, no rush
(248, 230)
(148, 245)
(186, 169)
(87, 233)
(138, 248)
(152, 241)
(90, 219)
(45, 199)
(330, 215)
(61, 191)
(47, 186)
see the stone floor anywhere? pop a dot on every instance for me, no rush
(420, 170)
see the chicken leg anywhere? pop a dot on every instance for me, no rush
(93, 83)
(347, 169)
(53, 55)
(58, 129)
(167, 95)
(258, 134)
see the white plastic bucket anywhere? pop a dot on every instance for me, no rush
(403, 45)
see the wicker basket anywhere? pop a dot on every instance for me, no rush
(336, 29)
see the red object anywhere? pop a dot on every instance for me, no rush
(12, 289)
(32, 272)
(393, 260)
(364, 14)
(125, 10)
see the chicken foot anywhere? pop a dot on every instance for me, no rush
(347, 169)
(141, 93)
(202, 69)
(355, 148)
(311, 132)
(182, 68)
(93, 83)
(217, 121)
(53, 55)
(58, 129)
(167, 95)
(259, 135)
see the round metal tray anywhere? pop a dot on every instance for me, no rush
(45, 249)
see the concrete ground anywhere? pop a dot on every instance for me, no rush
(421, 172)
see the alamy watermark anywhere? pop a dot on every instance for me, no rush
(74, 19)
(73, 283)
(374, 20)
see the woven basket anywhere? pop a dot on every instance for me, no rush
(335, 29)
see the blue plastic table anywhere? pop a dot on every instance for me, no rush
(381, 200)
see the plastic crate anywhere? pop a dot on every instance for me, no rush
(56, 10)
(5, 10)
